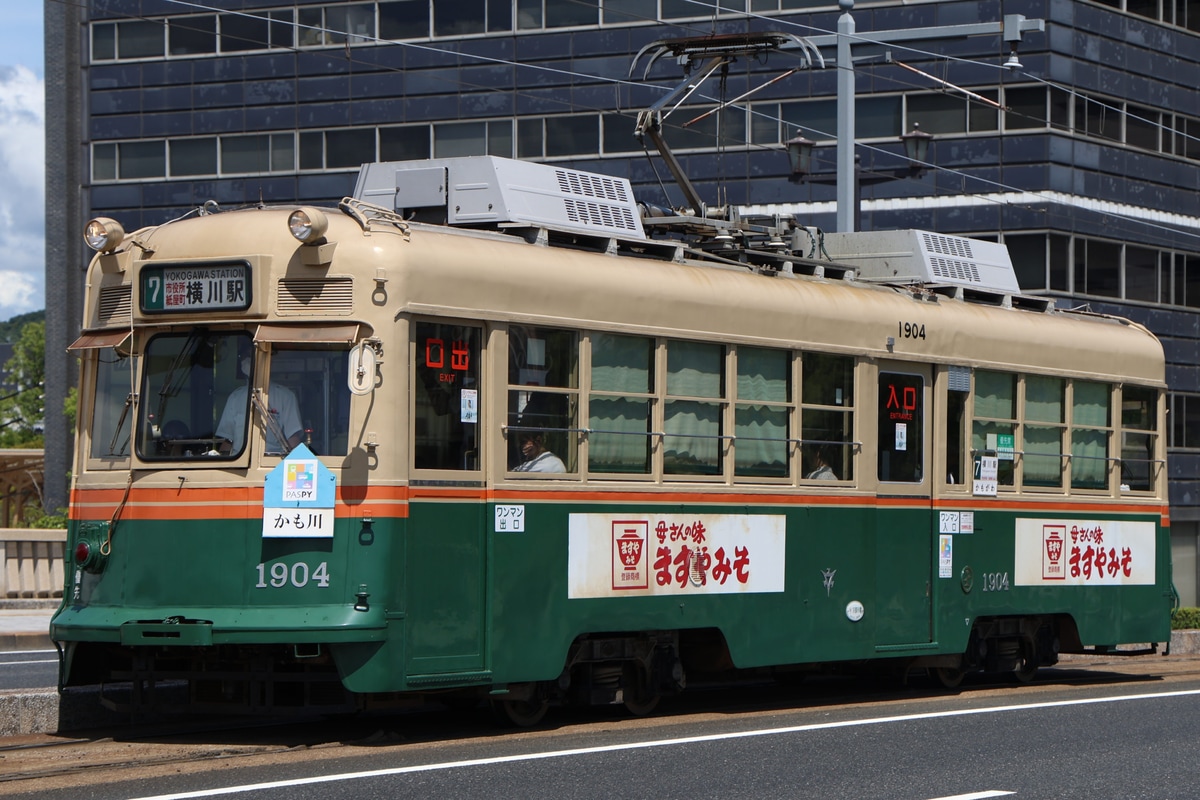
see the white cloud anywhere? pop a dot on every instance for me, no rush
(22, 292)
(22, 191)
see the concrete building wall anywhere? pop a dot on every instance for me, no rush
(66, 210)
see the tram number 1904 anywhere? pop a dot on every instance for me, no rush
(299, 575)
(995, 581)
(910, 330)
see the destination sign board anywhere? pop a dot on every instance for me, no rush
(192, 288)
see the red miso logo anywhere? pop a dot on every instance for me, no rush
(1053, 538)
(629, 554)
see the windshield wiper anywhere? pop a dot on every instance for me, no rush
(272, 424)
(173, 381)
(112, 445)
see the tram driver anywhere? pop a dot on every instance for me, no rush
(282, 406)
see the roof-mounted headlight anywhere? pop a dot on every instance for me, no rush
(103, 234)
(308, 225)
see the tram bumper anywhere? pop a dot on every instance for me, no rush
(205, 627)
(271, 659)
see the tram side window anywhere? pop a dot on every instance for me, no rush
(827, 416)
(995, 421)
(543, 399)
(957, 395)
(185, 382)
(1091, 418)
(620, 404)
(901, 427)
(760, 427)
(693, 410)
(1044, 427)
(112, 421)
(446, 396)
(1139, 438)
(316, 377)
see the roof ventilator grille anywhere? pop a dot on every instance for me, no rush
(605, 215)
(589, 185)
(932, 259)
(313, 295)
(954, 271)
(492, 192)
(116, 304)
(942, 245)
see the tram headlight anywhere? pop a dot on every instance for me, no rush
(308, 225)
(88, 556)
(89, 553)
(103, 234)
(83, 553)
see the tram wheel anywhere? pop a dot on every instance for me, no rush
(1029, 666)
(949, 677)
(521, 713)
(639, 698)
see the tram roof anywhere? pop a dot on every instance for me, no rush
(476, 274)
(492, 277)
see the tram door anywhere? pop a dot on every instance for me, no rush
(903, 538)
(445, 547)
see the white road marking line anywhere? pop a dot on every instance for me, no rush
(973, 796)
(614, 748)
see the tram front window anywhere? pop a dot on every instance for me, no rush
(111, 416)
(185, 384)
(316, 377)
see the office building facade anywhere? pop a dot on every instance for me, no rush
(1084, 158)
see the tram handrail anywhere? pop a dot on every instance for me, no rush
(587, 431)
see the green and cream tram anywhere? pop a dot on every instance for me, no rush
(304, 467)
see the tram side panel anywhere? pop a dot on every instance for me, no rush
(1098, 579)
(780, 585)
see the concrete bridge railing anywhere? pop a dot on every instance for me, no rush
(31, 563)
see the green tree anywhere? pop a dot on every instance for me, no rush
(10, 330)
(22, 400)
(71, 407)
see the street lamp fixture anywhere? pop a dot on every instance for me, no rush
(799, 152)
(916, 150)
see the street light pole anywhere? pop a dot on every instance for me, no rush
(1012, 29)
(847, 173)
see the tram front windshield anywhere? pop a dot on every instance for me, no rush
(187, 382)
(200, 399)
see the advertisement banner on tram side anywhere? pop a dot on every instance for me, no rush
(623, 555)
(1064, 552)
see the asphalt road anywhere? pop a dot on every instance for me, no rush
(1124, 728)
(28, 669)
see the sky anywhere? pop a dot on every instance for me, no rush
(22, 160)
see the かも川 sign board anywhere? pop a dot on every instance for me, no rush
(298, 497)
